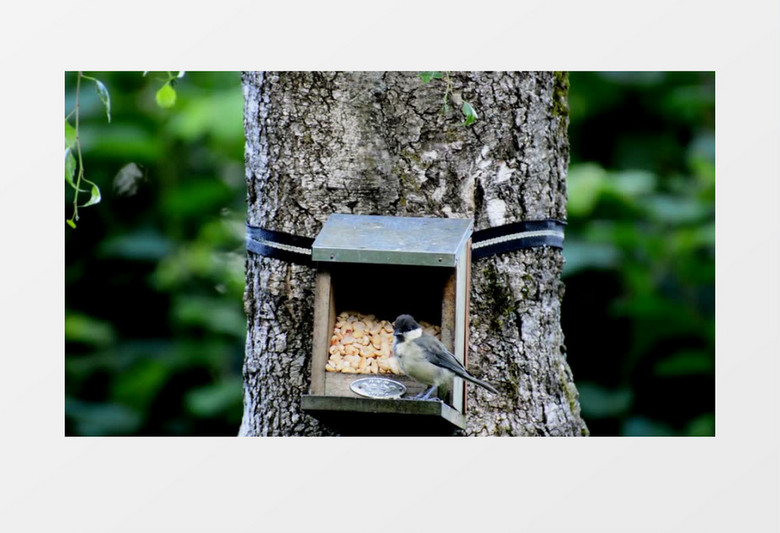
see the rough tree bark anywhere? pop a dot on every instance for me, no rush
(379, 143)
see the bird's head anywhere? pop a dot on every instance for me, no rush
(405, 327)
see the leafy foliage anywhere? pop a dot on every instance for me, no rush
(104, 97)
(640, 251)
(428, 76)
(166, 96)
(466, 108)
(468, 111)
(154, 327)
(74, 170)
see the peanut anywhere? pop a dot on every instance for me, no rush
(361, 344)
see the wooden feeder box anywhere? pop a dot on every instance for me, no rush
(388, 266)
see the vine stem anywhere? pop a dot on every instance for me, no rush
(448, 89)
(80, 173)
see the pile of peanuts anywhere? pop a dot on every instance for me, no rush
(361, 344)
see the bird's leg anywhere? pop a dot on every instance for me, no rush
(426, 394)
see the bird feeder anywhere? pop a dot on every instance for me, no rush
(370, 269)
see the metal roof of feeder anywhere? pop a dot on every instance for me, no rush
(392, 240)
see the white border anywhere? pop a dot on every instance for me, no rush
(726, 483)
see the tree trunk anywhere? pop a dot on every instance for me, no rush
(380, 144)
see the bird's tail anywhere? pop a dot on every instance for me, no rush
(479, 382)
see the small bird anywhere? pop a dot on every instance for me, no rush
(424, 358)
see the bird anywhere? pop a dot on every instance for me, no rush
(424, 358)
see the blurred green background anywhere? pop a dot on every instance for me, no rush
(154, 274)
(639, 310)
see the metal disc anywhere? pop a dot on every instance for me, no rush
(377, 388)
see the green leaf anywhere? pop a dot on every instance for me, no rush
(581, 255)
(585, 183)
(140, 385)
(91, 418)
(632, 183)
(215, 115)
(196, 196)
(123, 140)
(428, 76)
(71, 223)
(94, 194)
(686, 363)
(138, 246)
(88, 330)
(599, 402)
(639, 426)
(209, 314)
(70, 167)
(104, 97)
(677, 210)
(468, 111)
(166, 96)
(211, 400)
(701, 426)
(70, 135)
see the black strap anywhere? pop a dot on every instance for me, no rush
(515, 236)
(484, 243)
(279, 245)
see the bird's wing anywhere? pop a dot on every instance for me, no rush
(438, 355)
